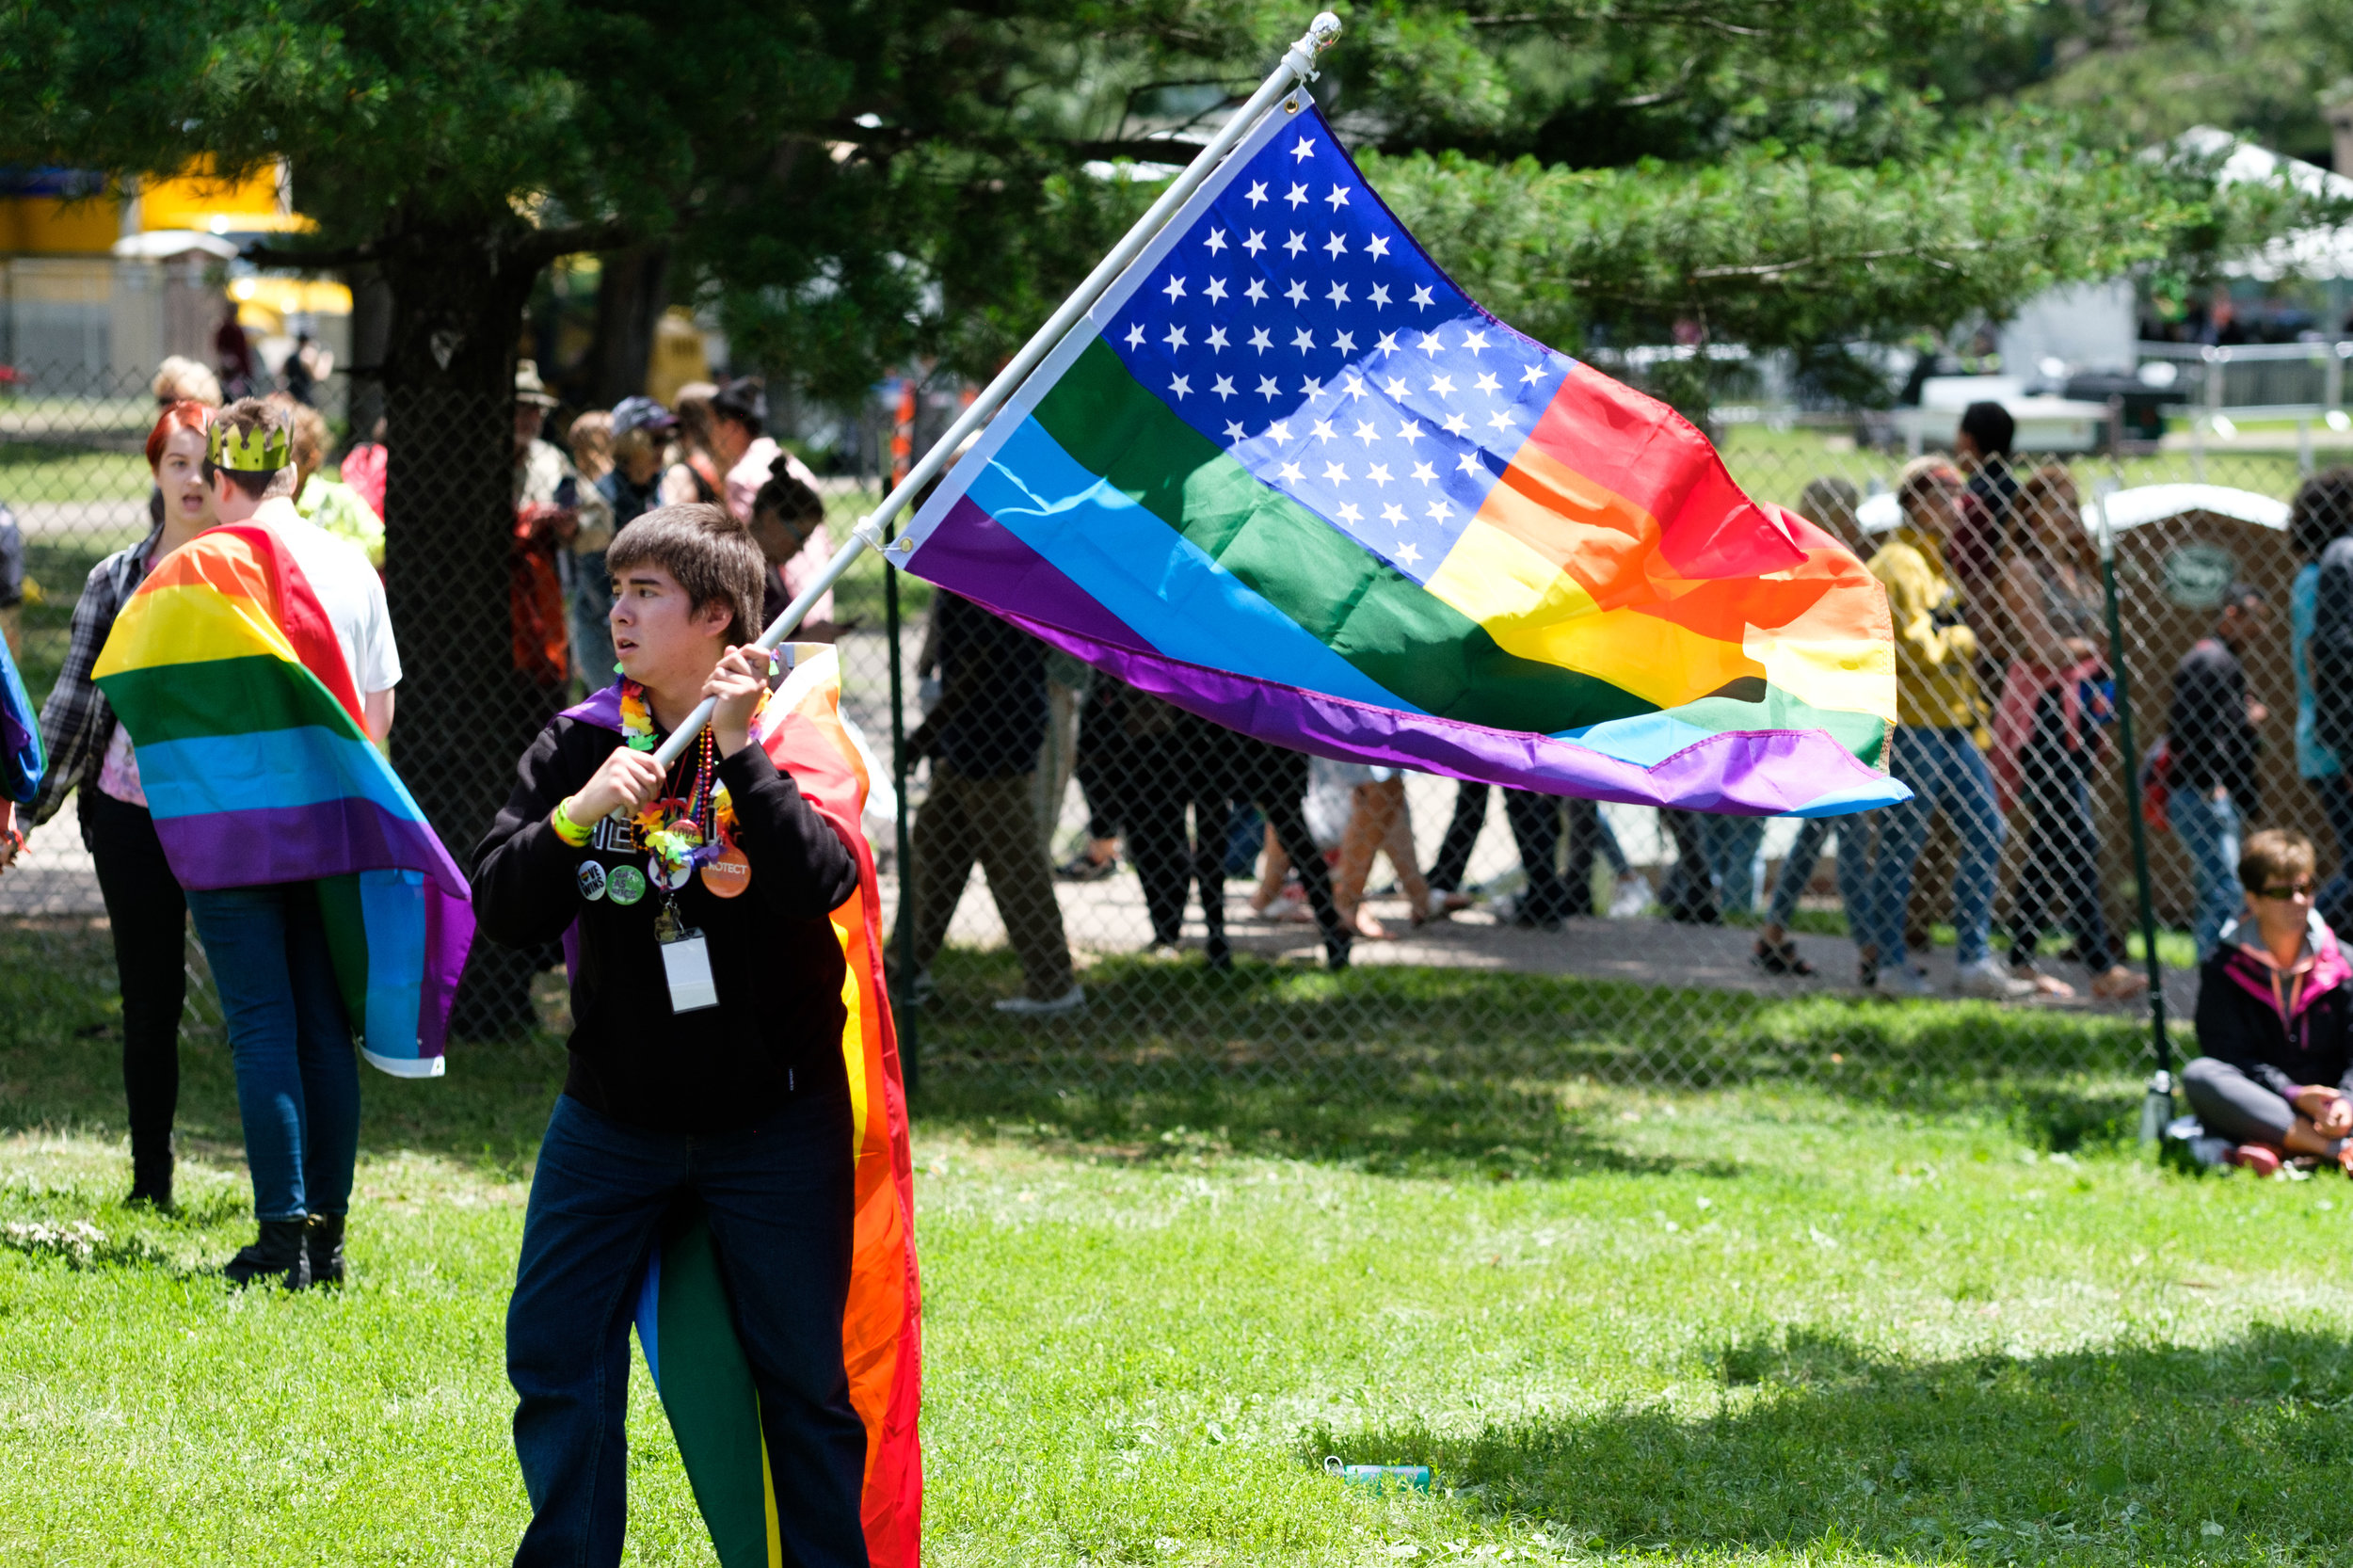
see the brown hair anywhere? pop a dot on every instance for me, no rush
(2273, 857)
(707, 553)
(2048, 496)
(791, 500)
(591, 440)
(248, 416)
(1922, 474)
(308, 429)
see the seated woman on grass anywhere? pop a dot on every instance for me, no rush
(2275, 1019)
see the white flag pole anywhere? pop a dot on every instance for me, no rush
(1299, 65)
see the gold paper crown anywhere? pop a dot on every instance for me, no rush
(262, 451)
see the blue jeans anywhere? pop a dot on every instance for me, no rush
(592, 634)
(1805, 853)
(1946, 773)
(2335, 791)
(1730, 845)
(777, 1198)
(2209, 831)
(298, 1077)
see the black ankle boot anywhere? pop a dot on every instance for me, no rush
(325, 1243)
(1219, 951)
(150, 1171)
(279, 1258)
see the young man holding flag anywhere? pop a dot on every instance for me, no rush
(717, 997)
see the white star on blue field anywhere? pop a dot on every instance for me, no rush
(1297, 326)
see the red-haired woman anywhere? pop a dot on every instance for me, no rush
(88, 749)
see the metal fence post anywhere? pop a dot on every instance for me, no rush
(2156, 1107)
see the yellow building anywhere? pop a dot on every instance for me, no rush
(101, 277)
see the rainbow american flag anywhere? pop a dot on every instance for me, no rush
(226, 671)
(1288, 476)
(685, 1322)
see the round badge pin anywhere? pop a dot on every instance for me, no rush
(627, 885)
(728, 874)
(666, 879)
(592, 881)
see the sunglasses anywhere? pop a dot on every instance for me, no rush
(2301, 889)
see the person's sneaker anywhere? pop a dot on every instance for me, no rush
(1986, 978)
(324, 1243)
(1902, 980)
(1630, 898)
(1083, 867)
(2262, 1162)
(278, 1256)
(1030, 1007)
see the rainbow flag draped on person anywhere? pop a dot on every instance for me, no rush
(683, 1318)
(1286, 475)
(225, 669)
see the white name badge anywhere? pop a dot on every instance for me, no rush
(686, 961)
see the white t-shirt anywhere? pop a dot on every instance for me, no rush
(347, 588)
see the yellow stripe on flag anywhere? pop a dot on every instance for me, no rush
(187, 624)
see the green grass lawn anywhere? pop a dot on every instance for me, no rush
(1816, 1319)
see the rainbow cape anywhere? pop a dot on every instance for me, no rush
(684, 1321)
(1288, 476)
(20, 764)
(226, 671)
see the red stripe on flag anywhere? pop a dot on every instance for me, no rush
(1646, 452)
(301, 615)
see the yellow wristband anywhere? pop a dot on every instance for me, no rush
(566, 829)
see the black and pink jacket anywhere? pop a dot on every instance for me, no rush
(2286, 1029)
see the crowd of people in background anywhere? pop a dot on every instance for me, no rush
(2004, 695)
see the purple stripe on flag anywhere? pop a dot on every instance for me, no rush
(1739, 773)
(301, 843)
(970, 553)
(601, 709)
(448, 937)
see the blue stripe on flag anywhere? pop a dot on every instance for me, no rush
(268, 769)
(1160, 583)
(393, 906)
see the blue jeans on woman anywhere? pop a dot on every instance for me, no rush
(777, 1198)
(1945, 771)
(298, 1077)
(1730, 845)
(2209, 830)
(1805, 853)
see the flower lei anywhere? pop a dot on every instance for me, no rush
(671, 829)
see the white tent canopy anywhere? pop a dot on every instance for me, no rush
(2143, 504)
(2319, 252)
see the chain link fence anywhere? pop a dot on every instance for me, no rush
(1067, 830)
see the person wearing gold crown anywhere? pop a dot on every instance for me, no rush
(289, 1039)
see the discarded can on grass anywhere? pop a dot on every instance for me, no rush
(1379, 1478)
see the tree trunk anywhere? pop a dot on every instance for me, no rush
(370, 340)
(633, 293)
(466, 713)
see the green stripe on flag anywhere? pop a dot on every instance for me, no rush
(708, 1393)
(1373, 616)
(223, 697)
(346, 928)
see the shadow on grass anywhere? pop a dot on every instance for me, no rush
(1394, 1069)
(2148, 1453)
(1407, 1069)
(62, 1067)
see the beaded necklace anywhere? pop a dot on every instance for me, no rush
(698, 829)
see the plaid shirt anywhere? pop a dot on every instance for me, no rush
(76, 722)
